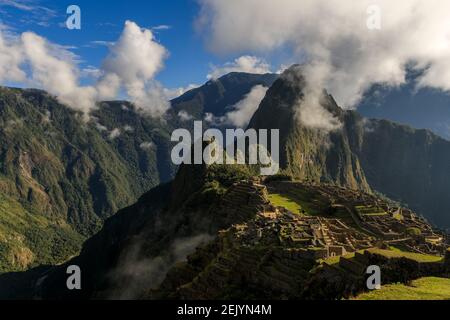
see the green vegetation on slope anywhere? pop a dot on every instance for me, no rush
(335, 260)
(403, 254)
(421, 289)
(368, 155)
(297, 200)
(59, 174)
(285, 202)
(370, 211)
(391, 253)
(29, 239)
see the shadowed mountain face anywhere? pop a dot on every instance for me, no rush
(423, 108)
(235, 224)
(308, 153)
(217, 96)
(61, 177)
(407, 165)
(226, 236)
(138, 245)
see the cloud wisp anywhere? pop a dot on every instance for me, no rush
(132, 64)
(249, 64)
(243, 111)
(343, 54)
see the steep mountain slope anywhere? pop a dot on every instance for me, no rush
(407, 165)
(423, 108)
(217, 95)
(140, 243)
(224, 237)
(235, 222)
(60, 177)
(308, 153)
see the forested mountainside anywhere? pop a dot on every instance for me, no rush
(218, 232)
(61, 176)
(408, 165)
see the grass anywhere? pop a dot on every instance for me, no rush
(398, 216)
(306, 200)
(370, 211)
(296, 200)
(335, 260)
(421, 289)
(424, 258)
(392, 253)
(28, 239)
(285, 202)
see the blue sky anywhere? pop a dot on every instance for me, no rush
(340, 50)
(189, 61)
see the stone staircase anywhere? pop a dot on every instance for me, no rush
(244, 200)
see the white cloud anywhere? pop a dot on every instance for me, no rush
(162, 27)
(184, 116)
(108, 85)
(175, 93)
(26, 6)
(32, 12)
(245, 109)
(100, 127)
(209, 117)
(311, 114)
(249, 64)
(132, 63)
(335, 38)
(242, 112)
(91, 72)
(309, 110)
(51, 67)
(135, 59)
(53, 70)
(47, 117)
(128, 128)
(11, 58)
(16, 4)
(147, 146)
(115, 133)
(283, 67)
(101, 43)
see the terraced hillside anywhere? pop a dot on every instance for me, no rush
(281, 254)
(212, 223)
(430, 288)
(407, 165)
(61, 176)
(215, 233)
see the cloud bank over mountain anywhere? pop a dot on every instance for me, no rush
(345, 55)
(249, 64)
(244, 109)
(132, 64)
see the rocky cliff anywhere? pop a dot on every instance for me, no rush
(407, 165)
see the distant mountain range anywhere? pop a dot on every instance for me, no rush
(216, 232)
(61, 178)
(218, 96)
(422, 108)
(407, 165)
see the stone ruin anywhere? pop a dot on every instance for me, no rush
(371, 222)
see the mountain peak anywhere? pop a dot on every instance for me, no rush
(216, 95)
(286, 97)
